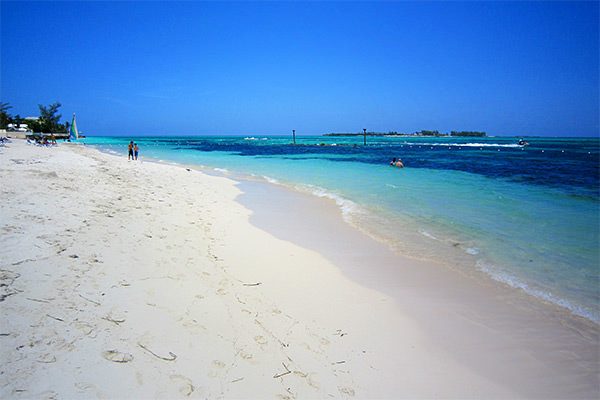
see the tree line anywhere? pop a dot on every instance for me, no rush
(48, 121)
(452, 133)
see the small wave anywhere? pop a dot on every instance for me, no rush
(516, 283)
(113, 152)
(490, 145)
(472, 251)
(347, 207)
(515, 145)
(392, 186)
(221, 169)
(271, 180)
(428, 235)
(254, 138)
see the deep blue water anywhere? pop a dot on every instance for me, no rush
(528, 216)
(554, 162)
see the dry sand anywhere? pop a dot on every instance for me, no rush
(139, 280)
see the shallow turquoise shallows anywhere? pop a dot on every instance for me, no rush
(525, 215)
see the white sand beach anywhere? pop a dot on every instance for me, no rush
(135, 280)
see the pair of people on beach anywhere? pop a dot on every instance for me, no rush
(397, 163)
(133, 151)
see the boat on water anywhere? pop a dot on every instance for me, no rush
(73, 133)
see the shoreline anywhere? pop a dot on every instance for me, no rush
(441, 236)
(485, 306)
(268, 210)
(560, 309)
(195, 267)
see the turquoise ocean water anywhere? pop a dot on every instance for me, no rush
(528, 216)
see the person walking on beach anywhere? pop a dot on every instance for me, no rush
(130, 148)
(136, 149)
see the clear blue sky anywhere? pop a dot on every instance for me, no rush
(252, 68)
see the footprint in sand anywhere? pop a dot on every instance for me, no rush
(219, 365)
(47, 359)
(117, 356)
(346, 391)
(261, 340)
(246, 356)
(86, 329)
(87, 387)
(185, 384)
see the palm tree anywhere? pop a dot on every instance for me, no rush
(4, 116)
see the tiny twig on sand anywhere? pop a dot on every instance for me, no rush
(283, 374)
(38, 300)
(56, 318)
(173, 356)
(115, 321)
(253, 284)
(91, 301)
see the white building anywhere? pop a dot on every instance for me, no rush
(18, 128)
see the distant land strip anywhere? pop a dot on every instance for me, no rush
(421, 133)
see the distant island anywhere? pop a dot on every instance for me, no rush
(421, 133)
